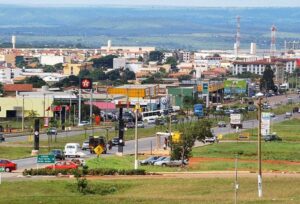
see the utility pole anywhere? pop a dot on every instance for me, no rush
(79, 107)
(259, 150)
(136, 165)
(236, 186)
(23, 114)
(91, 107)
(44, 105)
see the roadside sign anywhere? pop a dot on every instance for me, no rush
(98, 150)
(46, 159)
(265, 123)
(205, 88)
(2, 169)
(244, 135)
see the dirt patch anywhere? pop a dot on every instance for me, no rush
(196, 160)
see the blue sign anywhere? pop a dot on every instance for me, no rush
(205, 88)
(198, 110)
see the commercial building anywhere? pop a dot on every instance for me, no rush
(74, 69)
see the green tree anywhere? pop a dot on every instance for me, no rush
(156, 56)
(127, 75)
(36, 81)
(267, 82)
(72, 80)
(84, 73)
(190, 132)
(1, 89)
(172, 61)
(184, 77)
(113, 75)
(104, 62)
(140, 59)
(59, 66)
(49, 68)
(98, 75)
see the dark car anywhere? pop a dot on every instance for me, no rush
(52, 131)
(2, 139)
(130, 125)
(58, 153)
(271, 137)
(7, 165)
(159, 121)
(116, 141)
(149, 160)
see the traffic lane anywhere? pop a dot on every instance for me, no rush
(59, 135)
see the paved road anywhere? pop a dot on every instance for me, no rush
(146, 143)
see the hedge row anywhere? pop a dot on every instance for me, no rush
(76, 172)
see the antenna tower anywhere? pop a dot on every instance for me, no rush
(273, 41)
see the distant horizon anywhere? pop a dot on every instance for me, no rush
(155, 3)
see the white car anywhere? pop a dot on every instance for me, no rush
(73, 150)
(151, 121)
(168, 162)
(83, 123)
(85, 145)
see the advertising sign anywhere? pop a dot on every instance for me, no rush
(265, 123)
(198, 110)
(205, 88)
(235, 86)
(86, 83)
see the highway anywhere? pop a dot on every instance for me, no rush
(145, 144)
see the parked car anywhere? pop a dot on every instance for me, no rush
(158, 159)
(149, 160)
(140, 124)
(8, 165)
(85, 145)
(168, 162)
(115, 141)
(2, 138)
(221, 124)
(159, 121)
(58, 154)
(210, 139)
(288, 114)
(271, 137)
(52, 131)
(63, 165)
(130, 125)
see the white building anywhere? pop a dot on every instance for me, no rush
(8, 74)
(51, 59)
(258, 67)
(119, 63)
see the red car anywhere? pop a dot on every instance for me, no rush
(8, 165)
(63, 165)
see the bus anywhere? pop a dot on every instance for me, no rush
(151, 115)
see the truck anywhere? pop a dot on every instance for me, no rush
(236, 120)
(94, 141)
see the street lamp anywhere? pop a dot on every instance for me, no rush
(259, 176)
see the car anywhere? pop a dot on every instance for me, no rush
(271, 137)
(151, 121)
(58, 154)
(85, 145)
(158, 159)
(168, 162)
(210, 139)
(149, 160)
(7, 165)
(52, 131)
(130, 125)
(83, 123)
(159, 121)
(174, 120)
(140, 124)
(2, 138)
(272, 115)
(63, 165)
(221, 124)
(288, 114)
(79, 162)
(115, 141)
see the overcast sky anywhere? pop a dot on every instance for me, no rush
(200, 3)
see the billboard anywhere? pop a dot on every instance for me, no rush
(235, 86)
(265, 123)
(198, 110)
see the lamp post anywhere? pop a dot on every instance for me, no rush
(259, 177)
(23, 113)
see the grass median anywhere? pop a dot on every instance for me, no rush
(156, 190)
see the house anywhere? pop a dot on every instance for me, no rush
(75, 68)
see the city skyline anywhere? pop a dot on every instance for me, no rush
(176, 3)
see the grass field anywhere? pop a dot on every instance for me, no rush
(180, 190)
(288, 130)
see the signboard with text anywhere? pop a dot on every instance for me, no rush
(265, 123)
(46, 159)
(86, 83)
